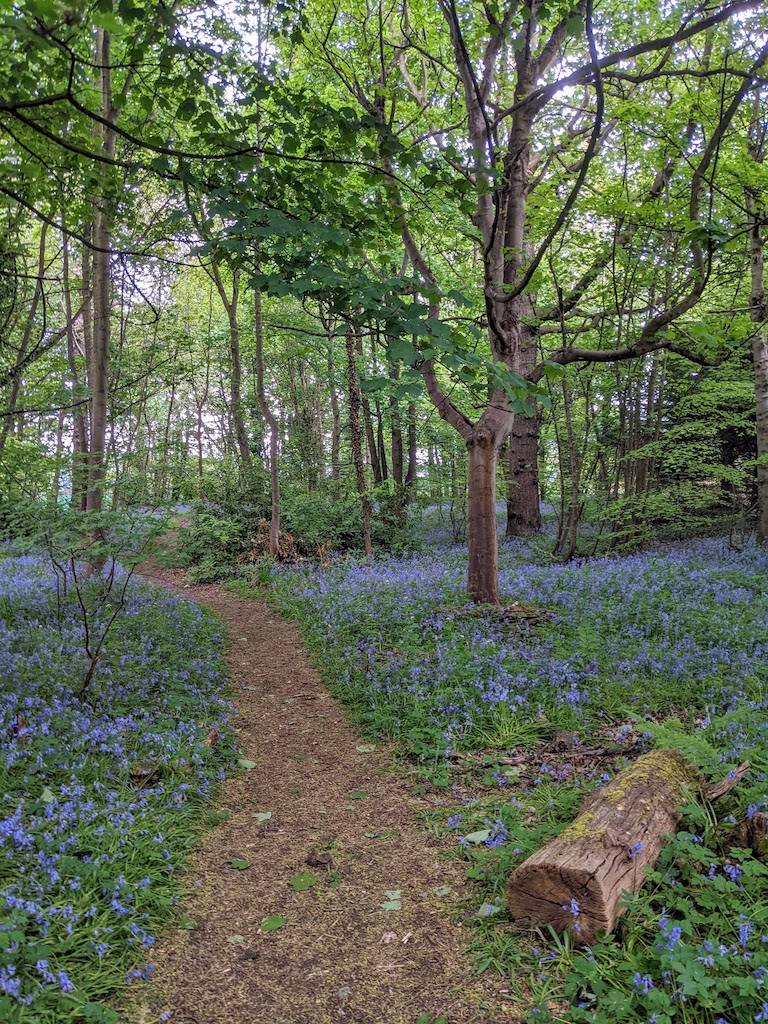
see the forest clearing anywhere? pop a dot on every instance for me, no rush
(383, 512)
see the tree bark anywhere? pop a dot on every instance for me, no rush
(482, 525)
(8, 417)
(397, 432)
(410, 475)
(357, 447)
(335, 428)
(373, 452)
(759, 316)
(576, 882)
(274, 426)
(231, 305)
(98, 352)
(79, 419)
(620, 829)
(523, 506)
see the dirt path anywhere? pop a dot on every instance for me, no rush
(337, 812)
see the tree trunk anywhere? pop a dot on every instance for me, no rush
(231, 305)
(79, 419)
(59, 446)
(373, 452)
(271, 419)
(335, 427)
(759, 316)
(523, 507)
(482, 526)
(397, 433)
(98, 356)
(21, 354)
(357, 447)
(380, 441)
(410, 476)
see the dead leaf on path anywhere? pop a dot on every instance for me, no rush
(212, 738)
(315, 859)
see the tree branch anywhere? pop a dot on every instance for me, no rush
(447, 411)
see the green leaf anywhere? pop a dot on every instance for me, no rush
(239, 864)
(478, 837)
(358, 796)
(399, 348)
(98, 1014)
(272, 923)
(302, 882)
(186, 109)
(393, 901)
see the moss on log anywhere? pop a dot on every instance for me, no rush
(620, 828)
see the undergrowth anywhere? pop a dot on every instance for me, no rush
(103, 784)
(662, 648)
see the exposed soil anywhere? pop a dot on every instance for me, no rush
(339, 811)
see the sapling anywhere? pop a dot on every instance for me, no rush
(97, 566)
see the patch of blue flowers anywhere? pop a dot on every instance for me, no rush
(101, 788)
(670, 646)
(680, 630)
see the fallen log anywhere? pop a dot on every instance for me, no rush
(575, 883)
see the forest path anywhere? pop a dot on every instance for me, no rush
(340, 958)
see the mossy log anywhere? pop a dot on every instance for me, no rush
(620, 828)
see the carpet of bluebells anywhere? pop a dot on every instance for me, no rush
(668, 647)
(101, 787)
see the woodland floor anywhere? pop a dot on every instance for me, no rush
(340, 957)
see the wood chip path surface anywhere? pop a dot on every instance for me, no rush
(339, 811)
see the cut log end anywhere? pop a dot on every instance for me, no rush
(575, 883)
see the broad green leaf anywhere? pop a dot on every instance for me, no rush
(272, 923)
(393, 900)
(239, 864)
(302, 882)
(478, 837)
